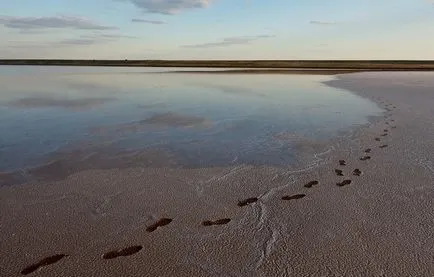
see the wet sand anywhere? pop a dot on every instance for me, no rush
(344, 214)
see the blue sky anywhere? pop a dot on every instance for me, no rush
(217, 29)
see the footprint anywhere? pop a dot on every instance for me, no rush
(343, 183)
(368, 150)
(44, 262)
(311, 183)
(377, 139)
(216, 222)
(387, 123)
(383, 146)
(393, 120)
(383, 135)
(293, 197)
(357, 172)
(247, 201)
(385, 130)
(122, 253)
(342, 162)
(393, 127)
(365, 158)
(339, 172)
(160, 223)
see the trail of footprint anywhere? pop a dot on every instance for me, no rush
(247, 201)
(311, 184)
(44, 262)
(123, 252)
(216, 222)
(365, 158)
(339, 172)
(343, 183)
(293, 197)
(342, 162)
(160, 223)
(383, 146)
(357, 172)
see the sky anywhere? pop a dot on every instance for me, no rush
(217, 29)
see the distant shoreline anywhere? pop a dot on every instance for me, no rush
(307, 71)
(245, 66)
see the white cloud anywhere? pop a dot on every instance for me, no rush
(32, 23)
(155, 22)
(229, 41)
(93, 39)
(168, 6)
(88, 39)
(317, 22)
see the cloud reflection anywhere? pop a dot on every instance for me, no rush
(45, 102)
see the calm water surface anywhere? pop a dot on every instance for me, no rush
(66, 117)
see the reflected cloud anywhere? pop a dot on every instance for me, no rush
(152, 106)
(88, 86)
(176, 120)
(64, 164)
(231, 89)
(160, 120)
(45, 102)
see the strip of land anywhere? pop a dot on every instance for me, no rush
(270, 71)
(360, 65)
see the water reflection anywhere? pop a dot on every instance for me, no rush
(44, 102)
(230, 89)
(196, 119)
(176, 120)
(160, 119)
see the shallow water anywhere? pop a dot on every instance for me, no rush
(93, 117)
